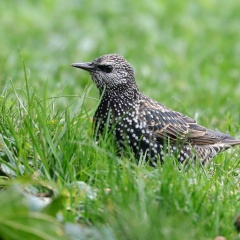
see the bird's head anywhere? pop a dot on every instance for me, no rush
(110, 72)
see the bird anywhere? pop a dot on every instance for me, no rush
(150, 129)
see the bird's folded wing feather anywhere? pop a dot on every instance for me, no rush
(165, 123)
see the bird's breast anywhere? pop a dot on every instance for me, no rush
(114, 112)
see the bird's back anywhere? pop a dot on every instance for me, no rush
(178, 129)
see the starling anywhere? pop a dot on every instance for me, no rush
(149, 128)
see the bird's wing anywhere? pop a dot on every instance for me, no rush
(178, 128)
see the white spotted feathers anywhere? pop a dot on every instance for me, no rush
(146, 126)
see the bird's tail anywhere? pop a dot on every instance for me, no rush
(207, 152)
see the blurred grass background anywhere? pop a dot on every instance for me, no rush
(186, 55)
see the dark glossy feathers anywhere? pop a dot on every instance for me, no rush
(146, 126)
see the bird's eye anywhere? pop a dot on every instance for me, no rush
(105, 68)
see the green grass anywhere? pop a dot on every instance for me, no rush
(185, 54)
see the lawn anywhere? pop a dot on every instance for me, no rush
(56, 182)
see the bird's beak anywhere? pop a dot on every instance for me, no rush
(88, 66)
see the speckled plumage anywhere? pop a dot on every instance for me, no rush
(145, 125)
